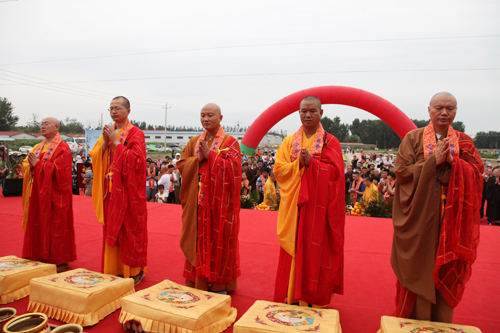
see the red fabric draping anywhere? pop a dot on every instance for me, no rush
(50, 235)
(320, 235)
(126, 215)
(217, 255)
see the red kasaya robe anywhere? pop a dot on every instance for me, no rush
(320, 233)
(211, 214)
(49, 233)
(449, 249)
(124, 207)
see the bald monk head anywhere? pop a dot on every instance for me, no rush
(442, 110)
(310, 114)
(49, 127)
(211, 117)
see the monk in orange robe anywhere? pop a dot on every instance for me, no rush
(49, 235)
(210, 166)
(119, 195)
(435, 215)
(309, 169)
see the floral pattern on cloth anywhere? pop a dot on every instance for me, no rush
(317, 147)
(122, 135)
(430, 142)
(289, 317)
(9, 264)
(216, 142)
(56, 140)
(178, 299)
(84, 280)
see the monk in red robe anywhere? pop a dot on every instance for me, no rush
(309, 169)
(49, 235)
(210, 166)
(119, 195)
(436, 215)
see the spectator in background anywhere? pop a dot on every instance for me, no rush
(348, 180)
(158, 162)
(357, 188)
(177, 158)
(493, 197)
(88, 177)
(486, 177)
(151, 181)
(246, 187)
(74, 178)
(376, 182)
(173, 180)
(380, 161)
(177, 186)
(364, 172)
(354, 162)
(244, 156)
(162, 195)
(389, 186)
(261, 182)
(3, 171)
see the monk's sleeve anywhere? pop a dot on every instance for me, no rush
(188, 167)
(289, 175)
(62, 183)
(27, 181)
(99, 166)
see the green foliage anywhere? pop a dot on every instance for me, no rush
(250, 200)
(7, 117)
(489, 140)
(378, 208)
(375, 132)
(14, 145)
(336, 128)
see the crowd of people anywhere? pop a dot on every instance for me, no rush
(370, 178)
(310, 174)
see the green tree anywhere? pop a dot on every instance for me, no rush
(71, 126)
(7, 117)
(335, 127)
(457, 125)
(490, 140)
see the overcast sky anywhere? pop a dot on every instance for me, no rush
(68, 58)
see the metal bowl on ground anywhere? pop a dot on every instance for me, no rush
(5, 315)
(28, 323)
(68, 328)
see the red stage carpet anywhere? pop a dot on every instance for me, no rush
(369, 280)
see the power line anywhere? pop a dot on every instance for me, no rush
(76, 90)
(250, 46)
(271, 74)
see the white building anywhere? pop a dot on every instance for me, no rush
(182, 137)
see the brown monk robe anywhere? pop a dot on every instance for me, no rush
(210, 166)
(435, 215)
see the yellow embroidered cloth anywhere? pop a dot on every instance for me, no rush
(15, 276)
(278, 317)
(171, 307)
(403, 325)
(78, 296)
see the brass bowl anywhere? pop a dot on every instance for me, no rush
(5, 315)
(28, 323)
(68, 328)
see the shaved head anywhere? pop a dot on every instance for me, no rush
(211, 117)
(52, 120)
(443, 93)
(212, 107)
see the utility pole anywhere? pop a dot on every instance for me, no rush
(166, 108)
(238, 131)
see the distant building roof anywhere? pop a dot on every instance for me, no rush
(10, 133)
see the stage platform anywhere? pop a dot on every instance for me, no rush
(369, 281)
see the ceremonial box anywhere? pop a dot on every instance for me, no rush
(277, 317)
(168, 307)
(15, 276)
(78, 296)
(402, 325)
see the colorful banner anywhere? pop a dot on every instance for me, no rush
(91, 137)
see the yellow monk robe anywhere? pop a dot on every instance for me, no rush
(311, 239)
(270, 192)
(119, 198)
(289, 177)
(370, 194)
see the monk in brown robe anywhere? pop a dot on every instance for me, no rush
(436, 215)
(210, 166)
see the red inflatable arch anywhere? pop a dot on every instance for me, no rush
(358, 98)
